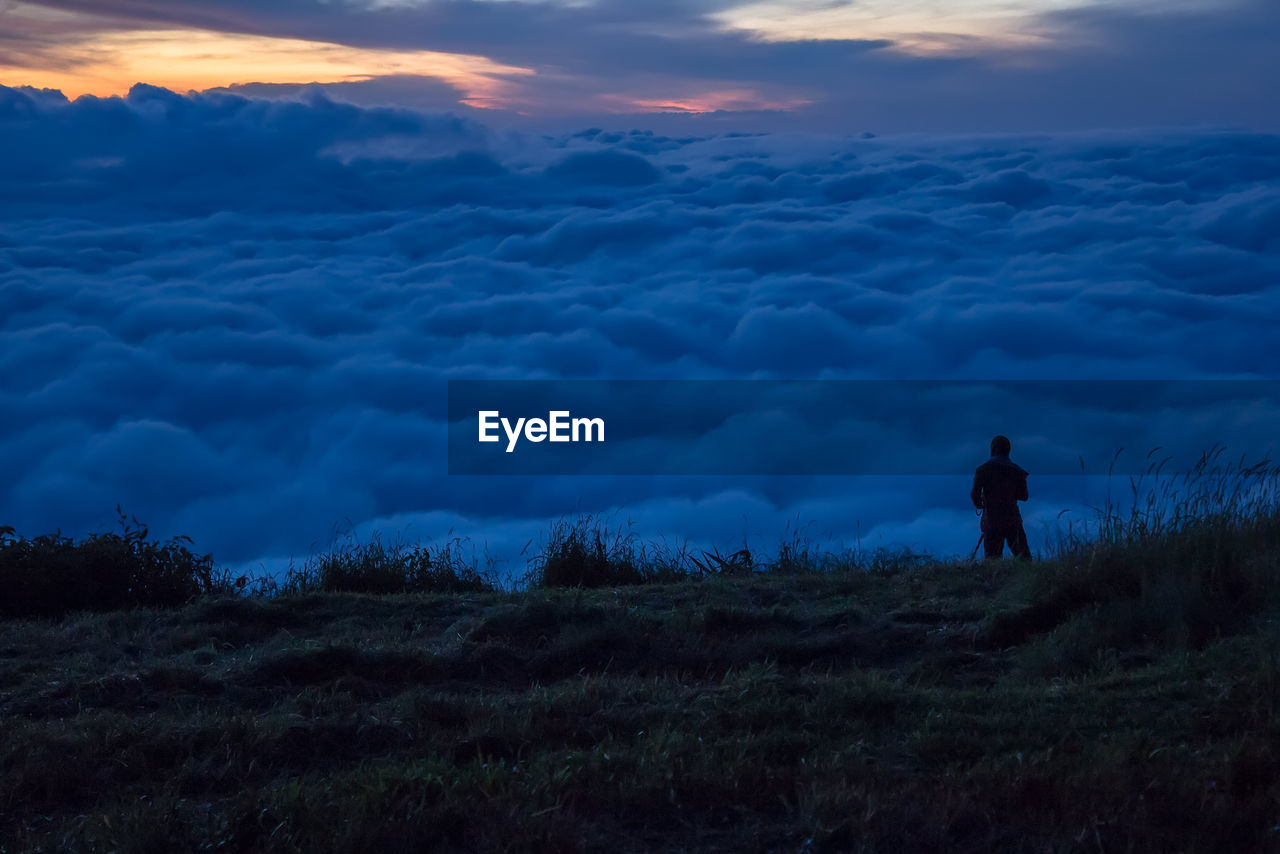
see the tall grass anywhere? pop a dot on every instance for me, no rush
(395, 566)
(1188, 557)
(51, 575)
(798, 553)
(589, 552)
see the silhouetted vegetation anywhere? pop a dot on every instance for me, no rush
(1189, 559)
(51, 575)
(587, 552)
(396, 567)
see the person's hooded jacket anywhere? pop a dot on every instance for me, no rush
(998, 485)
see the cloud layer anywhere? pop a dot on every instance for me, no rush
(236, 317)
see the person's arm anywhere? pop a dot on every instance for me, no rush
(975, 494)
(1022, 488)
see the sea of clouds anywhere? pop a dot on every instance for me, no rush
(236, 317)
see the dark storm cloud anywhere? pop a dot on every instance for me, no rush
(237, 317)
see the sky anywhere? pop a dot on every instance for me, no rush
(244, 246)
(832, 65)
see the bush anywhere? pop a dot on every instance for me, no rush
(51, 575)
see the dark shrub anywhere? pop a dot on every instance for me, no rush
(51, 575)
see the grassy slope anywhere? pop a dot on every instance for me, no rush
(917, 710)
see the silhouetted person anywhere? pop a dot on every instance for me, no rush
(998, 485)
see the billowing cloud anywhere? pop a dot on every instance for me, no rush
(237, 317)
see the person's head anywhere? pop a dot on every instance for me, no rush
(1001, 446)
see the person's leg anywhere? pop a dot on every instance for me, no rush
(993, 543)
(1018, 543)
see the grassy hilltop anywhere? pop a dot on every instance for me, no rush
(1121, 696)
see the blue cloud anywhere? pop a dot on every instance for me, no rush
(237, 317)
(611, 168)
